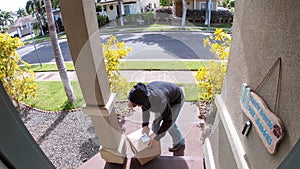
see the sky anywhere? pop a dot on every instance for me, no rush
(12, 5)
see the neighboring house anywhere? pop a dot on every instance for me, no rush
(20, 27)
(110, 7)
(193, 4)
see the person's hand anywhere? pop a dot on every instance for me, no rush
(152, 142)
(146, 130)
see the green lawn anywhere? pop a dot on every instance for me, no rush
(135, 65)
(161, 65)
(46, 67)
(51, 96)
(41, 38)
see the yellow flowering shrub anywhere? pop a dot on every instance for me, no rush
(19, 83)
(114, 50)
(210, 78)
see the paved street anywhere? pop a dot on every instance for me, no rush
(146, 45)
(44, 52)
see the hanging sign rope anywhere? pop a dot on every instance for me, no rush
(268, 126)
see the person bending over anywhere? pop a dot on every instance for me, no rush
(165, 100)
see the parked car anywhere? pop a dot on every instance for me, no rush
(14, 34)
(222, 9)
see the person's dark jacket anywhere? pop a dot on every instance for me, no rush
(157, 97)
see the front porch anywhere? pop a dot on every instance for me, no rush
(191, 157)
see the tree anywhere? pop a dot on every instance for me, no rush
(19, 83)
(228, 4)
(1, 19)
(21, 12)
(210, 78)
(113, 51)
(58, 54)
(55, 3)
(165, 3)
(6, 18)
(35, 7)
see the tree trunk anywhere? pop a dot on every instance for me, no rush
(183, 13)
(58, 54)
(38, 17)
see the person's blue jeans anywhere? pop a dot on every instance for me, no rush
(173, 130)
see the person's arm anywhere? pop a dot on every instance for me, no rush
(146, 117)
(166, 124)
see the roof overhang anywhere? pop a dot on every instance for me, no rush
(107, 2)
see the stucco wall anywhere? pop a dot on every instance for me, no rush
(262, 32)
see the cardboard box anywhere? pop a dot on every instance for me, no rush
(140, 149)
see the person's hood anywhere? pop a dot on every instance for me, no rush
(139, 94)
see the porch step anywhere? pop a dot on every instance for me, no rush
(162, 162)
(172, 162)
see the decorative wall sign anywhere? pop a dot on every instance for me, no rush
(268, 126)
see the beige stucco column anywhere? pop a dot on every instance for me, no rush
(83, 36)
(262, 32)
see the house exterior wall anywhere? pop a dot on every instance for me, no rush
(111, 13)
(138, 5)
(190, 4)
(259, 37)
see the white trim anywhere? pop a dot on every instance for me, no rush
(208, 155)
(232, 135)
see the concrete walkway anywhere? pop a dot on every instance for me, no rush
(131, 76)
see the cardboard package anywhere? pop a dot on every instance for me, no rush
(139, 146)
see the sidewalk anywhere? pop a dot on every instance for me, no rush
(131, 76)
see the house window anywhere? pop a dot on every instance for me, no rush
(154, 5)
(130, 9)
(202, 5)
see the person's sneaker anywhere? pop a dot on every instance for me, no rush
(176, 147)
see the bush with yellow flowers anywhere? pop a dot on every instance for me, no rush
(210, 78)
(19, 83)
(113, 51)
